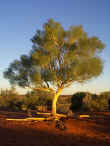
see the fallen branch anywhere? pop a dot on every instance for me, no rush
(29, 119)
(84, 116)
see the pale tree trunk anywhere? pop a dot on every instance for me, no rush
(57, 94)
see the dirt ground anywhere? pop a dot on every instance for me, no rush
(80, 132)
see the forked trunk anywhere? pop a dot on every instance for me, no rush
(57, 94)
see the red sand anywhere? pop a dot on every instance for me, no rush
(94, 132)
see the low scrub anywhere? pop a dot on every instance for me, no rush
(63, 108)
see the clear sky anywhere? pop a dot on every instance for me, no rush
(19, 20)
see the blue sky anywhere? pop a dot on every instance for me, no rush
(19, 21)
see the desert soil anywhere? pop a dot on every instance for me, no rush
(79, 132)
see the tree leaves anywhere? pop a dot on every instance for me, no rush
(59, 57)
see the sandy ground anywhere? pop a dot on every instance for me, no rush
(79, 132)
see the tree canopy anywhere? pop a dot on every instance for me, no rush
(58, 57)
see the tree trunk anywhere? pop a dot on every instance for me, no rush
(55, 101)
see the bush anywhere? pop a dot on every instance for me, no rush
(77, 101)
(93, 102)
(37, 98)
(63, 108)
(98, 104)
(30, 103)
(9, 100)
(10, 104)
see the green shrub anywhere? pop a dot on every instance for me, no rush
(30, 103)
(93, 102)
(77, 101)
(98, 104)
(9, 100)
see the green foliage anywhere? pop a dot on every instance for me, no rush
(58, 58)
(37, 98)
(19, 71)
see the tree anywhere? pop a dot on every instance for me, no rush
(57, 59)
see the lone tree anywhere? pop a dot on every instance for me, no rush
(57, 59)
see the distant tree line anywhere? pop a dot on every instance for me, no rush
(10, 100)
(85, 101)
